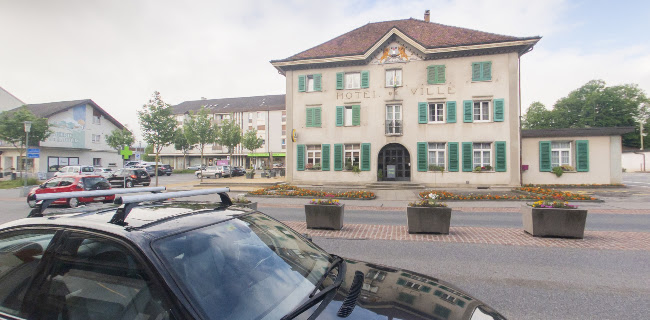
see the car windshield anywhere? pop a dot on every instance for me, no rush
(87, 169)
(250, 267)
(96, 183)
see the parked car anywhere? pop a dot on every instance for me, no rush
(75, 170)
(238, 171)
(131, 164)
(104, 172)
(180, 260)
(130, 177)
(73, 183)
(196, 167)
(213, 172)
(166, 169)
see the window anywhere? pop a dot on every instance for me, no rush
(97, 278)
(436, 74)
(394, 78)
(97, 162)
(482, 154)
(21, 254)
(97, 117)
(250, 117)
(560, 153)
(351, 155)
(376, 275)
(393, 119)
(284, 116)
(96, 138)
(313, 117)
(481, 111)
(436, 112)
(309, 83)
(353, 80)
(437, 154)
(482, 71)
(284, 143)
(348, 116)
(313, 157)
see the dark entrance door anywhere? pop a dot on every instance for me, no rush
(394, 158)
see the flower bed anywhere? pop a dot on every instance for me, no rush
(293, 191)
(533, 193)
(585, 185)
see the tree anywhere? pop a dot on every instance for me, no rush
(229, 135)
(537, 117)
(118, 139)
(250, 140)
(147, 151)
(158, 125)
(182, 144)
(12, 129)
(200, 130)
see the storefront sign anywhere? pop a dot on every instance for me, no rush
(390, 171)
(390, 93)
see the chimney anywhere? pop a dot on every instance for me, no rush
(426, 16)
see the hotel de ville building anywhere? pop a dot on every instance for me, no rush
(406, 100)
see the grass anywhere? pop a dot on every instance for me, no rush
(182, 171)
(10, 184)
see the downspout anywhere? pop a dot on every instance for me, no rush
(521, 159)
(643, 155)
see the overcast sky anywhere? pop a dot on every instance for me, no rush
(118, 52)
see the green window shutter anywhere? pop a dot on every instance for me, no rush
(545, 156)
(302, 83)
(422, 156)
(300, 154)
(468, 111)
(451, 111)
(453, 157)
(487, 70)
(325, 161)
(422, 112)
(500, 156)
(365, 157)
(338, 157)
(498, 110)
(339, 80)
(476, 71)
(431, 74)
(582, 155)
(440, 74)
(468, 163)
(356, 115)
(317, 117)
(317, 82)
(339, 115)
(310, 117)
(365, 79)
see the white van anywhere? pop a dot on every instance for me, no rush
(75, 170)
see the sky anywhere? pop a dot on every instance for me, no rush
(118, 52)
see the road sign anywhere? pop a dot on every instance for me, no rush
(137, 156)
(33, 153)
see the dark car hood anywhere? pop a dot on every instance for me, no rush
(390, 293)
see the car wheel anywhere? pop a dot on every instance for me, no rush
(73, 202)
(169, 174)
(31, 203)
(129, 184)
(145, 184)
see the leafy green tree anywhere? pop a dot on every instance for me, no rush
(118, 139)
(182, 144)
(199, 130)
(538, 117)
(147, 151)
(158, 125)
(250, 141)
(12, 129)
(229, 135)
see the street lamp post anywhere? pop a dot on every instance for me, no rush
(28, 128)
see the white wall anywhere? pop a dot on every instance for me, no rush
(633, 162)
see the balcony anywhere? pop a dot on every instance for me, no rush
(393, 127)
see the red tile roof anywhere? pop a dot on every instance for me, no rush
(428, 34)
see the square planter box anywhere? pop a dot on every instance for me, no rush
(554, 222)
(428, 219)
(324, 216)
(250, 205)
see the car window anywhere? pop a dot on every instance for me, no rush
(250, 267)
(96, 183)
(66, 182)
(98, 278)
(52, 183)
(20, 255)
(87, 169)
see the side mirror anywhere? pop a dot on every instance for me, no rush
(42, 186)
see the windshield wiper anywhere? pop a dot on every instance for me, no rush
(315, 298)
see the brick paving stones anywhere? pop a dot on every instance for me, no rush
(612, 240)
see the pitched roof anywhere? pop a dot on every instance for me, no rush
(228, 105)
(46, 110)
(576, 132)
(427, 34)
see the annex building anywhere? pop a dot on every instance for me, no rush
(412, 100)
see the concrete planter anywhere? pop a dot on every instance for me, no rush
(250, 175)
(250, 205)
(324, 216)
(428, 219)
(554, 222)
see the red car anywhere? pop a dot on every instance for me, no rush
(73, 183)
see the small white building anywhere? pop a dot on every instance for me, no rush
(635, 160)
(8, 101)
(79, 129)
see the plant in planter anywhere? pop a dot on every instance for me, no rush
(356, 170)
(324, 214)
(555, 218)
(242, 201)
(485, 168)
(250, 173)
(433, 167)
(380, 174)
(557, 171)
(317, 166)
(348, 164)
(428, 216)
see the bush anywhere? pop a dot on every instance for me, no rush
(10, 184)
(182, 171)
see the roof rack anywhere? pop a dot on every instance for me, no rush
(46, 199)
(131, 202)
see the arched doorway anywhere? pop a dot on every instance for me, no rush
(395, 163)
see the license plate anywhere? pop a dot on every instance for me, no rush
(100, 198)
